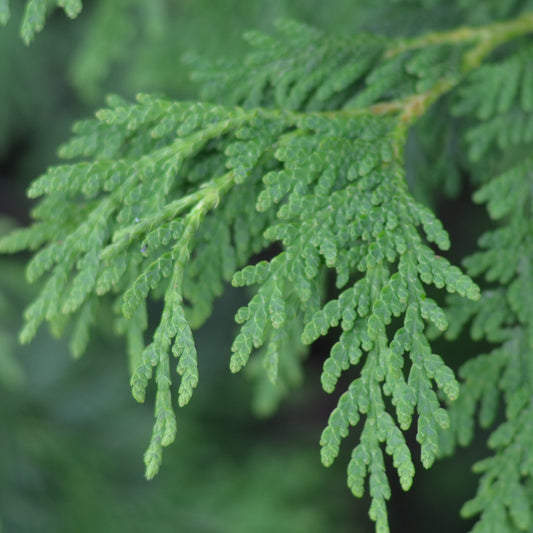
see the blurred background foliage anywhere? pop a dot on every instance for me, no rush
(71, 436)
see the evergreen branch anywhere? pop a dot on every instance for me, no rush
(499, 96)
(174, 199)
(503, 317)
(486, 38)
(35, 12)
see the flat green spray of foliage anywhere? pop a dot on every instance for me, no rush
(300, 150)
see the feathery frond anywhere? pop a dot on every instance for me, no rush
(35, 13)
(504, 315)
(302, 155)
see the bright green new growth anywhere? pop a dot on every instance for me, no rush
(304, 156)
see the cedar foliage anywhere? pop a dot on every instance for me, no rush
(301, 151)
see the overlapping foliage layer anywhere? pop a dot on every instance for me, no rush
(501, 114)
(303, 155)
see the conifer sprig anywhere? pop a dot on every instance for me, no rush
(504, 317)
(306, 153)
(499, 380)
(35, 13)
